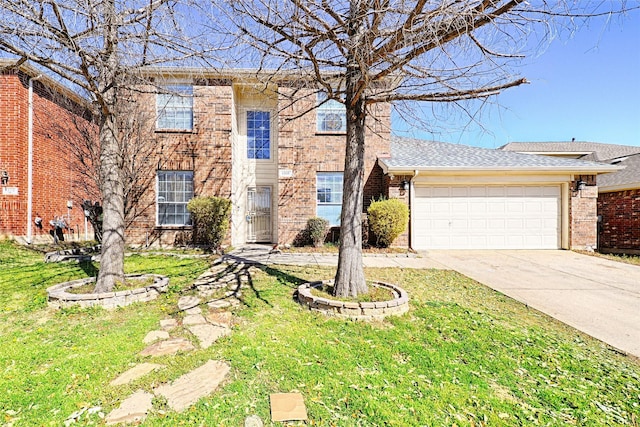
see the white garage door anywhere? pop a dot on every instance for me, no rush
(487, 217)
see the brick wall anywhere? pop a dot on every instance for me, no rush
(619, 230)
(306, 152)
(55, 179)
(205, 150)
(394, 191)
(583, 214)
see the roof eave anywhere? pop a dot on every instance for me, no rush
(619, 187)
(399, 170)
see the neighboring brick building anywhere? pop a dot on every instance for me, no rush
(618, 193)
(55, 112)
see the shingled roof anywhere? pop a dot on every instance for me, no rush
(408, 154)
(595, 151)
(621, 155)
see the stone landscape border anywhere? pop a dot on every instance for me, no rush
(355, 310)
(60, 298)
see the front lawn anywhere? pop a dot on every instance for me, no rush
(464, 355)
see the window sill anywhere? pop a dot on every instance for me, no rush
(174, 227)
(331, 133)
(174, 131)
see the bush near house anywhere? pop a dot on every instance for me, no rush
(210, 217)
(317, 229)
(387, 220)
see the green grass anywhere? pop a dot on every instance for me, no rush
(464, 355)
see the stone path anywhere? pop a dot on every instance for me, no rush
(217, 289)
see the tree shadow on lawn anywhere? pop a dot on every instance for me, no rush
(241, 268)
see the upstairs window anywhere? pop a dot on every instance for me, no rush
(175, 189)
(258, 135)
(329, 196)
(174, 108)
(330, 115)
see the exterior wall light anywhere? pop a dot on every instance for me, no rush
(580, 184)
(404, 185)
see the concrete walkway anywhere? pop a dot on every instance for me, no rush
(594, 295)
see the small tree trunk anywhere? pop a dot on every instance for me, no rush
(350, 280)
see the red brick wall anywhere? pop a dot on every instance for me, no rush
(583, 215)
(620, 226)
(306, 152)
(206, 150)
(54, 179)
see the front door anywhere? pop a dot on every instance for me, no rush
(259, 214)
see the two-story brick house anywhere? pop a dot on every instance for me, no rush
(39, 121)
(265, 146)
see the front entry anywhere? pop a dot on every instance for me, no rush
(259, 214)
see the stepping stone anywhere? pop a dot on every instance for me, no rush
(168, 324)
(155, 336)
(220, 318)
(134, 373)
(219, 304)
(193, 310)
(192, 386)
(253, 421)
(208, 334)
(193, 319)
(170, 346)
(133, 409)
(187, 302)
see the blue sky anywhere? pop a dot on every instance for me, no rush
(586, 87)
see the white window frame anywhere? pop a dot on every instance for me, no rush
(335, 194)
(180, 196)
(174, 108)
(331, 115)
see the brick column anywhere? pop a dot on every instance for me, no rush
(584, 217)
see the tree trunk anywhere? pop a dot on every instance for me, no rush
(112, 257)
(350, 280)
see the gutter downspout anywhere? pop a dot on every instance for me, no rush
(30, 163)
(411, 204)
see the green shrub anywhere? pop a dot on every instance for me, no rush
(210, 218)
(387, 220)
(317, 229)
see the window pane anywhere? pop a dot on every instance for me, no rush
(258, 135)
(175, 108)
(329, 196)
(330, 115)
(175, 189)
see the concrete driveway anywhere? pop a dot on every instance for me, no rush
(594, 295)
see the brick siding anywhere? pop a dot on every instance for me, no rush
(583, 214)
(55, 180)
(619, 230)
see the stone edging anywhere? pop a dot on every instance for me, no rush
(355, 310)
(60, 298)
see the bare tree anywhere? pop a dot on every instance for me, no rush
(100, 47)
(363, 52)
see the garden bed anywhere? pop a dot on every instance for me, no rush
(351, 309)
(60, 297)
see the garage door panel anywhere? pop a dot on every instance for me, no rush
(487, 217)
